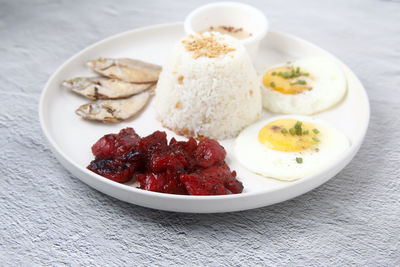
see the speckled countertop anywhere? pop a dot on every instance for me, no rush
(49, 217)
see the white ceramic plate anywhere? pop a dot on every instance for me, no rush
(71, 137)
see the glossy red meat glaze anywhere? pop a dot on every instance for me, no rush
(180, 167)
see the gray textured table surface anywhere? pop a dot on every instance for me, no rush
(49, 217)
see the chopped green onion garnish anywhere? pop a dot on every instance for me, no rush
(302, 82)
(291, 130)
(284, 131)
(315, 131)
(297, 127)
(273, 73)
(315, 139)
(309, 89)
(298, 70)
(305, 132)
(299, 160)
(305, 74)
(272, 84)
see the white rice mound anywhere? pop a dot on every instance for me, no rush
(206, 96)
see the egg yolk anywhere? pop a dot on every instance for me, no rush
(287, 80)
(288, 135)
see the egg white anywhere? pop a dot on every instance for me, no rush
(270, 163)
(328, 88)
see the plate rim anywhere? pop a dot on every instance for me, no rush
(67, 162)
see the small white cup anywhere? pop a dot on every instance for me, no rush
(237, 15)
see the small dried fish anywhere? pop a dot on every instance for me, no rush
(114, 110)
(126, 69)
(103, 88)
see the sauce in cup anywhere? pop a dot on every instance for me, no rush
(238, 33)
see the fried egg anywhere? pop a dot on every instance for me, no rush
(304, 86)
(289, 147)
